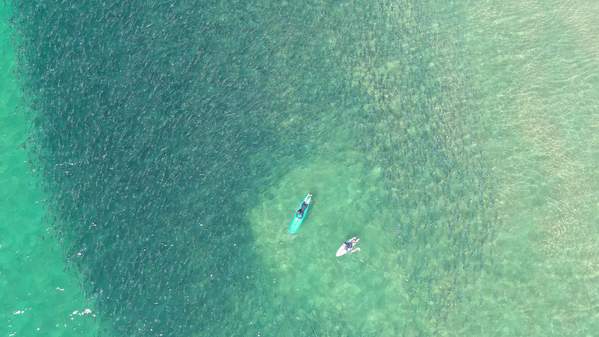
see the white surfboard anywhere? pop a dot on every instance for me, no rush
(342, 250)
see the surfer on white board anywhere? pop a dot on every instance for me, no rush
(350, 245)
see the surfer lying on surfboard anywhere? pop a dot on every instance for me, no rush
(349, 246)
(300, 214)
(300, 211)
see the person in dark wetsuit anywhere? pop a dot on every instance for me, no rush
(302, 209)
(304, 206)
(350, 245)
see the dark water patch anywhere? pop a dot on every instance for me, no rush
(156, 123)
(147, 116)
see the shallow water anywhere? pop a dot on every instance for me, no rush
(173, 141)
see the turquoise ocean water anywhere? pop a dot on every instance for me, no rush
(40, 293)
(153, 152)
